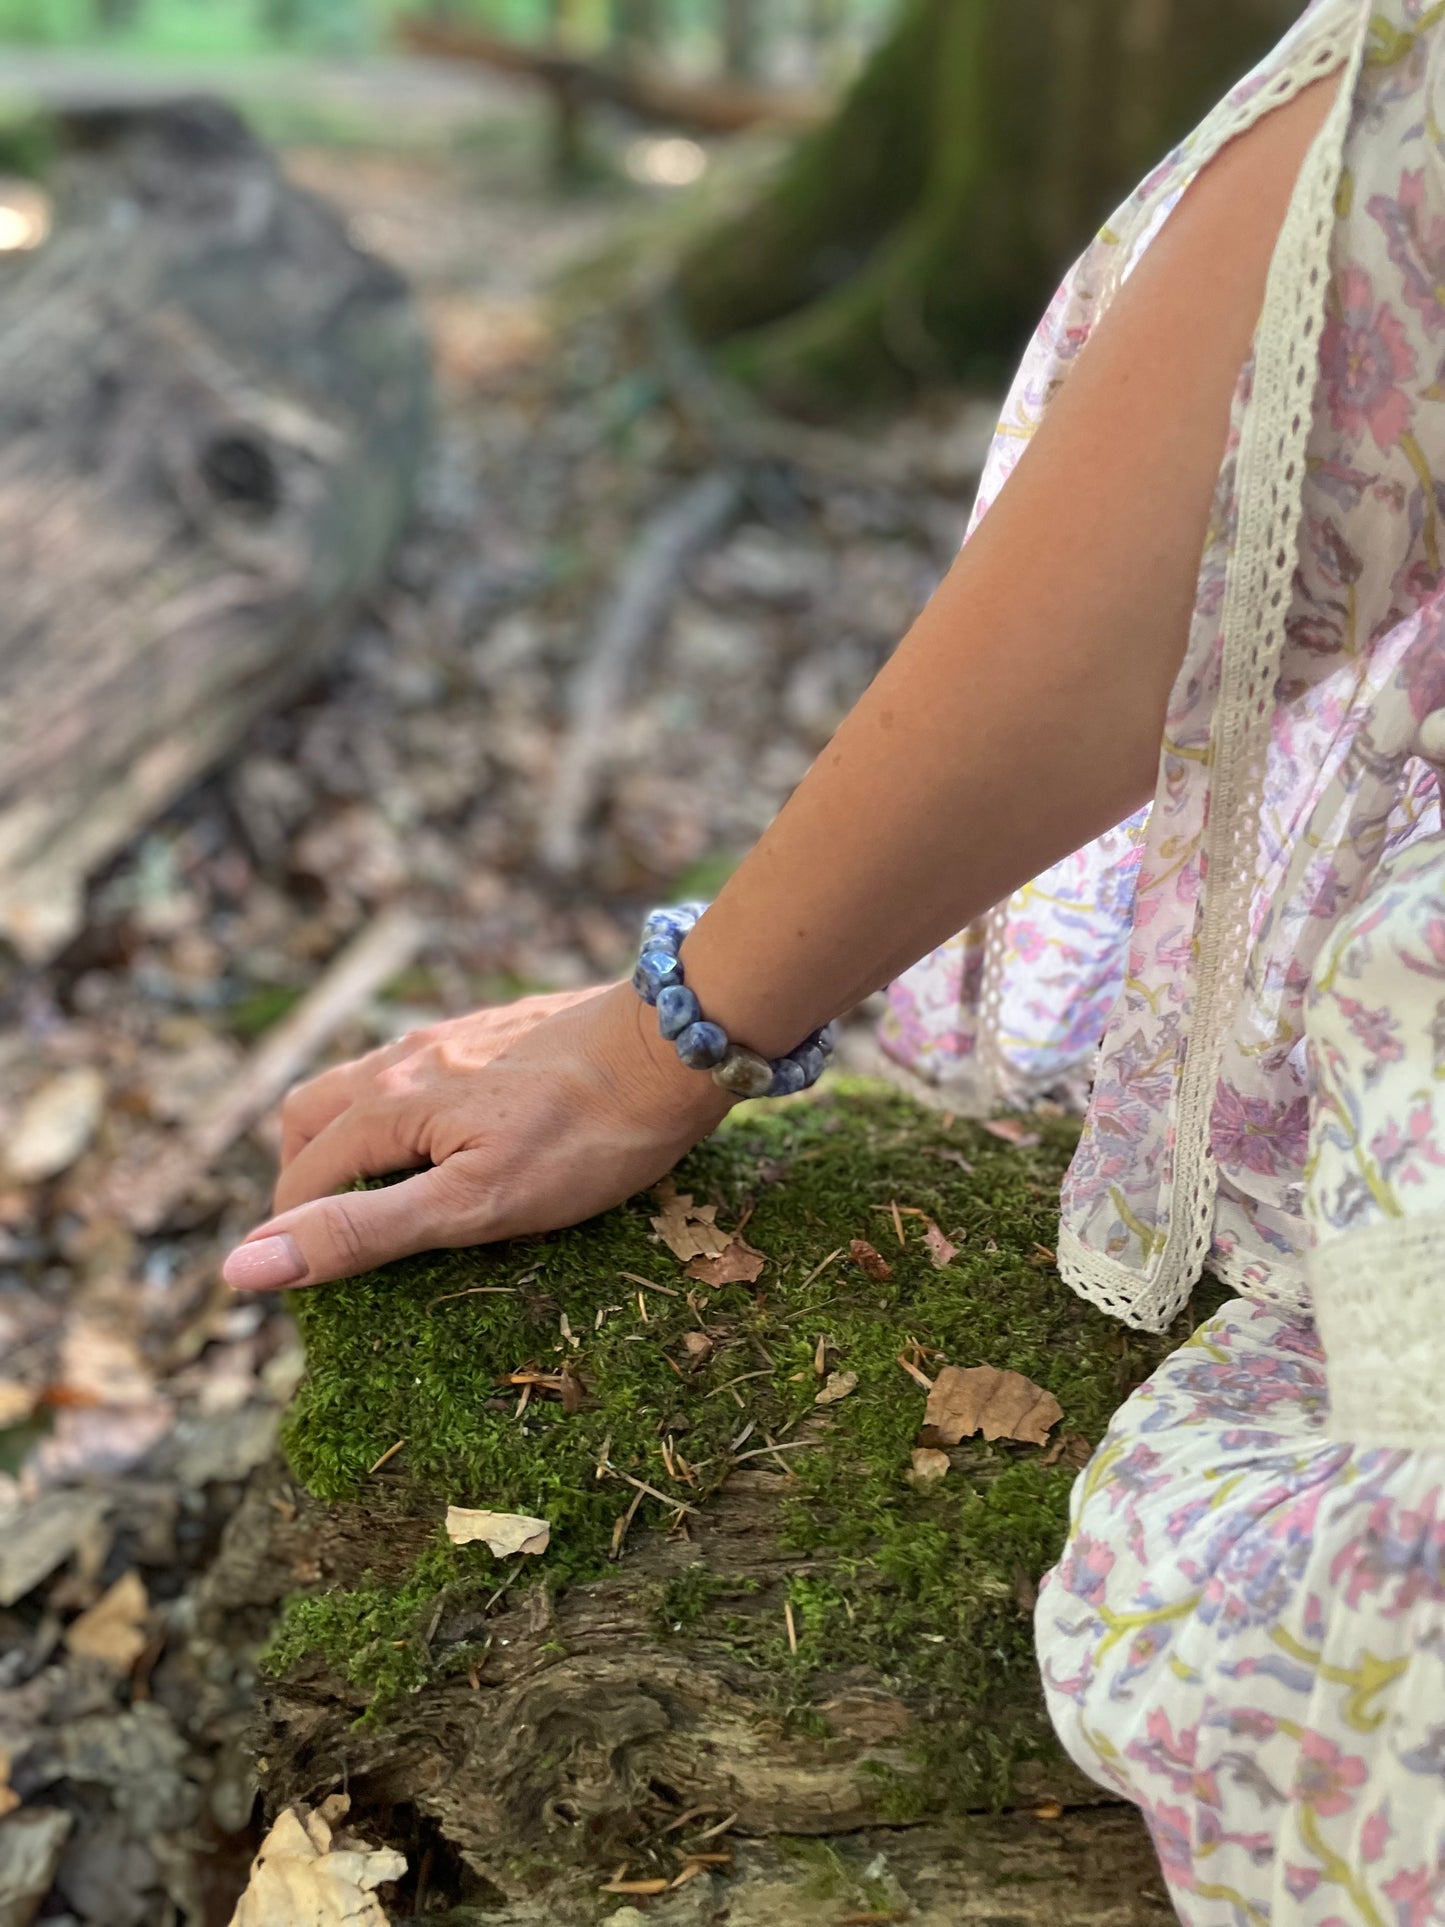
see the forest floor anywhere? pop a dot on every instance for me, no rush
(426, 772)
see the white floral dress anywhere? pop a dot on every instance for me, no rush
(1246, 1634)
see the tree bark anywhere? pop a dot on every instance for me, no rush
(212, 409)
(589, 1731)
(920, 232)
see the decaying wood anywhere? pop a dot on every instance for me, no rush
(367, 964)
(212, 407)
(643, 593)
(590, 1738)
(708, 107)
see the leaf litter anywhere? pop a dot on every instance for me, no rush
(1000, 1405)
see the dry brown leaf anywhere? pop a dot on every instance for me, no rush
(686, 1229)
(1012, 1130)
(873, 1262)
(839, 1385)
(54, 1126)
(507, 1533)
(1001, 1405)
(1070, 1448)
(697, 1345)
(929, 1465)
(114, 1630)
(940, 1249)
(302, 1873)
(737, 1264)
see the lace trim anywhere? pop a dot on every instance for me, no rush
(1378, 1296)
(1257, 598)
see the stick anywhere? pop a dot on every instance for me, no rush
(382, 951)
(639, 601)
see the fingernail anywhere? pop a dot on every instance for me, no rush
(265, 1265)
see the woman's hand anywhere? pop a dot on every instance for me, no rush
(528, 1117)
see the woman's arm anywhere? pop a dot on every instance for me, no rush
(1020, 717)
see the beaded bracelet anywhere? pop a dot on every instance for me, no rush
(705, 1046)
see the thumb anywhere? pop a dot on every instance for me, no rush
(338, 1237)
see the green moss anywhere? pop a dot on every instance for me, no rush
(926, 1588)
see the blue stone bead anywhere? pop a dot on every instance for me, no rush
(677, 1010)
(694, 912)
(663, 931)
(703, 1046)
(655, 971)
(811, 1062)
(788, 1079)
(831, 1034)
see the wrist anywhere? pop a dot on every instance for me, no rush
(642, 1057)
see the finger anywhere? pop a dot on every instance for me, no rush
(310, 1107)
(365, 1141)
(340, 1237)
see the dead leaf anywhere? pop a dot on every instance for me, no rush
(873, 1262)
(54, 1126)
(698, 1346)
(574, 1391)
(302, 1872)
(114, 1630)
(17, 1402)
(1070, 1448)
(507, 1533)
(1001, 1405)
(1012, 1130)
(940, 1249)
(688, 1231)
(929, 1466)
(839, 1385)
(737, 1264)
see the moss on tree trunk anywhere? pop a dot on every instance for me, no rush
(921, 231)
(747, 1609)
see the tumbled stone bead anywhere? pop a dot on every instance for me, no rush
(831, 1034)
(677, 1011)
(744, 1073)
(664, 930)
(703, 1045)
(812, 1062)
(788, 1079)
(655, 971)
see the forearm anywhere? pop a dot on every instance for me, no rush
(1023, 713)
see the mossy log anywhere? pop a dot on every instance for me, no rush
(752, 1630)
(212, 411)
(920, 232)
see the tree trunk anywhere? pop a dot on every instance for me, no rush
(752, 1634)
(920, 233)
(212, 408)
(638, 29)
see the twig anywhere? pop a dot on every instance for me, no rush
(647, 1284)
(638, 604)
(677, 1505)
(913, 1372)
(387, 1456)
(789, 1445)
(742, 1379)
(472, 1291)
(382, 951)
(624, 1526)
(792, 1627)
(817, 1270)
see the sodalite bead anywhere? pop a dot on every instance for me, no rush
(677, 1011)
(744, 1073)
(702, 1046)
(788, 1079)
(671, 926)
(812, 1062)
(656, 971)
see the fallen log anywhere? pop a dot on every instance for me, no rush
(765, 1632)
(212, 410)
(706, 107)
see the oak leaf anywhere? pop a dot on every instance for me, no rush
(304, 1871)
(507, 1533)
(736, 1264)
(1001, 1405)
(688, 1230)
